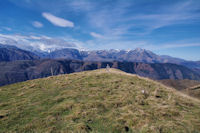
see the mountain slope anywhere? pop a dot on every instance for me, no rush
(193, 91)
(65, 54)
(189, 87)
(159, 70)
(16, 71)
(11, 53)
(197, 70)
(96, 101)
(180, 84)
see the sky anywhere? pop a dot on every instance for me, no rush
(166, 27)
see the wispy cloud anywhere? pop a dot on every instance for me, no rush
(96, 35)
(179, 45)
(80, 5)
(170, 45)
(127, 21)
(57, 21)
(37, 24)
(183, 12)
(7, 28)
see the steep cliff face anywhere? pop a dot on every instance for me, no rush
(16, 71)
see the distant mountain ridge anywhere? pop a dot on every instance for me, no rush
(17, 71)
(12, 53)
(137, 55)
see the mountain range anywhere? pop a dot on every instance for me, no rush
(22, 70)
(10, 53)
(19, 65)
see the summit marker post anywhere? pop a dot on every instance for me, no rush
(108, 68)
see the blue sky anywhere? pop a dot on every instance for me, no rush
(169, 27)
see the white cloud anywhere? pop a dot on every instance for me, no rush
(35, 37)
(7, 28)
(96, 35)
(38, 43)
(57, 21)
(37, 24)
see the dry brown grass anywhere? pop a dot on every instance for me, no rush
(96, 101)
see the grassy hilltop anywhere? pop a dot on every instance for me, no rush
(96, 101)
